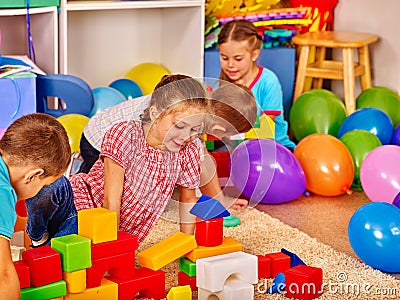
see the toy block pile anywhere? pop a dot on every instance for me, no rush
(208, 262)
(74, 266)
(291, 275)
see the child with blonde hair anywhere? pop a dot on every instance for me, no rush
(239, 45)
(34, 152)
(141, 162)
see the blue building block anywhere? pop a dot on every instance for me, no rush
(277, 285)
(208, 208)
(294, 259)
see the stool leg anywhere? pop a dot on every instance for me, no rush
(363, 57)
(319, 60)
(349, 80)
(301, 71)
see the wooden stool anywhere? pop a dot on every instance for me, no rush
(321, 68)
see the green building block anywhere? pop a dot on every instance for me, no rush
(53, 290)
(210, 145)
(75, 251)
(187, 266)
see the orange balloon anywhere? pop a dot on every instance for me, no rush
(327, 164)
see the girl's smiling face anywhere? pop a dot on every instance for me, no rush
(172, 131)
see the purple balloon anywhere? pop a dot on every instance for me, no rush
(396, 201)
(396, 136)
(266, 172)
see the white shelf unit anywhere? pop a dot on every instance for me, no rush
(100, 41)
(44, 30)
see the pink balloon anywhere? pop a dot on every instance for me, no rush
(380, 173)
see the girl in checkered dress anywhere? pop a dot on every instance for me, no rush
(141, 162)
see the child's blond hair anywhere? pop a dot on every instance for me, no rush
(177, 92)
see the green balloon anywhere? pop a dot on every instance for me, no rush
(316, 111)
(382, 98)
(359, 143)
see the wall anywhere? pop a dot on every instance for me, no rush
(380, 18)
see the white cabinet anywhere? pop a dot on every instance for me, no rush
(44, 30)
(101, 41)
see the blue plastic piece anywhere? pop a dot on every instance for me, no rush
(277, 285)
(74, 91)
(294, 259)
(280, 60)
(208, 208)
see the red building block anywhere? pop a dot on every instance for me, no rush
(44, 265)
(210, 232)
(23, 273)
(125, 242)
(120, 266)
(147, 283)
(184, 279)
(280, 262)
(303, 282)
(222, 161)
(264, 266)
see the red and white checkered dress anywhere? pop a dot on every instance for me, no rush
(150, 177)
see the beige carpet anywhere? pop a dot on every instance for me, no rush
(345, 277)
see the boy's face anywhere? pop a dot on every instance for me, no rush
(26, 189)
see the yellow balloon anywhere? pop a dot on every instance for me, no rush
(147, 75)
(74, 125)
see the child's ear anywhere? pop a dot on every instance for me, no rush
(153, 113)
(32, 174)
(218, 129)
(255, 54)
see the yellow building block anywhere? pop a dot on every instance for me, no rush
(76, 281)
(266, 130)
(183, 292)
(166, 251)
(108, 290)
(228, 245)
(98, 224)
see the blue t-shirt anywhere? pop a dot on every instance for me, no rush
(8, 200)
(268, 93)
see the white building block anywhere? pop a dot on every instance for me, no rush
(234, 289)
(212, 272)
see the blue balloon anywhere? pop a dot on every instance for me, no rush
(104, 97)
(370, 119)
(127, 87)
(374, 234)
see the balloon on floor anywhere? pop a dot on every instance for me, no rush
(147, 75)
(74, 125)
(127, 87)
(104, 97)
(263, 171)
(370, 119)
(382, 98)
(374, 235)
(316, 111)
(380, 175)
(359, 143)
(327, 164)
